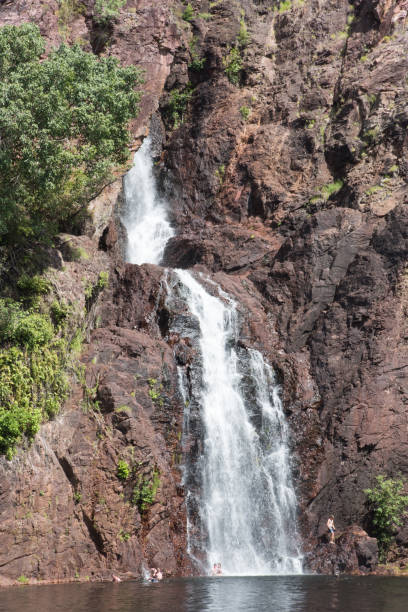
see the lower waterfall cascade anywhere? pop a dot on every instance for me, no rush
(247, 504)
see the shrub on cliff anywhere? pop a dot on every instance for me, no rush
(63, 129)
(33, 385)
(233, 65)
(33, 367)
(123, 469)
(387, 505)
(106, 10)
(188, 13)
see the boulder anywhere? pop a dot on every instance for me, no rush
(354, 552)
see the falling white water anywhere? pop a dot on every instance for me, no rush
(245, 498)
(247, 502)
(145, 218)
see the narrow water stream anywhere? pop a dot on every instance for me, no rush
(145, 216)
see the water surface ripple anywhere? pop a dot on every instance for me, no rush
(253, 594)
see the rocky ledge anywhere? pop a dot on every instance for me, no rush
(353, 552)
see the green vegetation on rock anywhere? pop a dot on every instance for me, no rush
(331, 188)
(67, 11)
(387, 505)
(325, 192)
(220, 173)
(155, 389)
(179, 99)
(188, 13)
(63, 125)
(33, 382)
(123, 469)
(106, 10)
(245, 112)
(243, 35)
(284, 5)
(232, 63)
(144, 493)
(197, 62)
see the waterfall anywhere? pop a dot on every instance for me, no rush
(145, 217)
(241, 505)
(247, 504)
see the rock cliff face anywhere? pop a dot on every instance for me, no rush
(289, 188)
(305, 198)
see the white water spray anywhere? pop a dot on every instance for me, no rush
(145, 218)
(246, 501)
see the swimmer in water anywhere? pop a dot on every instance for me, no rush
(219, 570)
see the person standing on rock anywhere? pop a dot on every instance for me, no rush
(331, 528)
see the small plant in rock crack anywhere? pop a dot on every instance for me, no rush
(232, 63)
(179, 99)
(123, 469)
(188, 13)
(220, 173)
(144, 493)
(107, 10)
(243, 35)
(154, 391)
(197, 62)
(123, 535)
(245, 112)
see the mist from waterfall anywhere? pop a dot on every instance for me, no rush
(244, 513)
(145, 217)
(247, 503)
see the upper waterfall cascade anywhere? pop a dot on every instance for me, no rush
(246, 501)
(145, 217)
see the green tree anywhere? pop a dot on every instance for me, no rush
(387, 505)
(63, 130)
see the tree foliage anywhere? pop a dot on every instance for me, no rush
(387, 505)
(63, 129)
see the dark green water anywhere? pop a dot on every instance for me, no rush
(259, 594)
